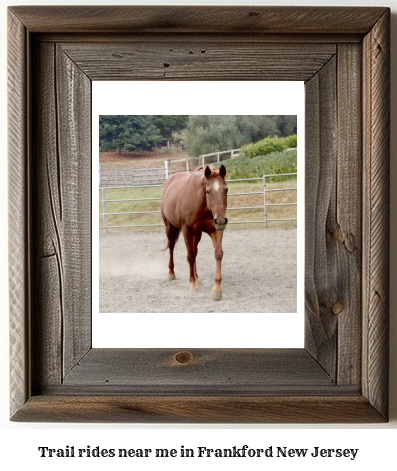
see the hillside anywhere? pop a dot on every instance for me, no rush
(142, 159)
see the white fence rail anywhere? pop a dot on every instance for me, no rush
(218, 156)
(265, 207)
(189, 164)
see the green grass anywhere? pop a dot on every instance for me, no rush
(116, 205)
(274, 212)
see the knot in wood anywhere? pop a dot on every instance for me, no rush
(337, 308)
(338, 235)
(183, 358)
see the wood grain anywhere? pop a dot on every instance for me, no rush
(199, 409)
(48, 297)
(229, 370)
(199, 19)
(347, 226)
(321, 262)
(376, 90)
(74, 144)
(223, 59)
(19, 227)
(62, 202)
(341, 375)
(333, 215)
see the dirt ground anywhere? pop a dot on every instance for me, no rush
(259, 273)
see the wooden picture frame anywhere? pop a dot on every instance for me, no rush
(342, 54)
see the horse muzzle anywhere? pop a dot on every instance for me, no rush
(220, 224)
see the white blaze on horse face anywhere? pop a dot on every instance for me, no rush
(216, 186)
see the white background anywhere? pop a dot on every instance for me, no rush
(126, 330)
(20, 441)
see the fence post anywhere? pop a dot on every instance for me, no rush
(105, 219)
(187, 164)
(264, 200)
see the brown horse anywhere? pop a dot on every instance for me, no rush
(195, 202)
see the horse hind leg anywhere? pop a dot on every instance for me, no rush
(172, 235)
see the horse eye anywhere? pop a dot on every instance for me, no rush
(208, 192)
(227, 189)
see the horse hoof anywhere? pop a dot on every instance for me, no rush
(171, 276)
(216, 294)
(194, 289)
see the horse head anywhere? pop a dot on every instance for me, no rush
(216, 195)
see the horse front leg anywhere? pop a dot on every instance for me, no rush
(191, 242)
(217, 237)
(196, 240)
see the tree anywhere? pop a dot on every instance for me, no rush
(168, 124)
(255, 127)
(206, 133)
(109, 130)
(286, 125)
(136, 132)
(212, 133)
(223, 132)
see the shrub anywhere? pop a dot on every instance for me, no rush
(291, 141)
(263, 147)
(270, 164)
(269, 145)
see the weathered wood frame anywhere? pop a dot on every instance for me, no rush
(343, 56)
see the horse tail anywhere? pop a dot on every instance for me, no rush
(177, 232)
(172, 234)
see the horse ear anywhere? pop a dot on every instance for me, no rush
(222, 171)
(207, 172)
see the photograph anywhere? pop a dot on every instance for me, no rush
(185, 176)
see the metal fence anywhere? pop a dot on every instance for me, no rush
(111, 178)
(132, 177)
(154, 176)
(265, 207)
